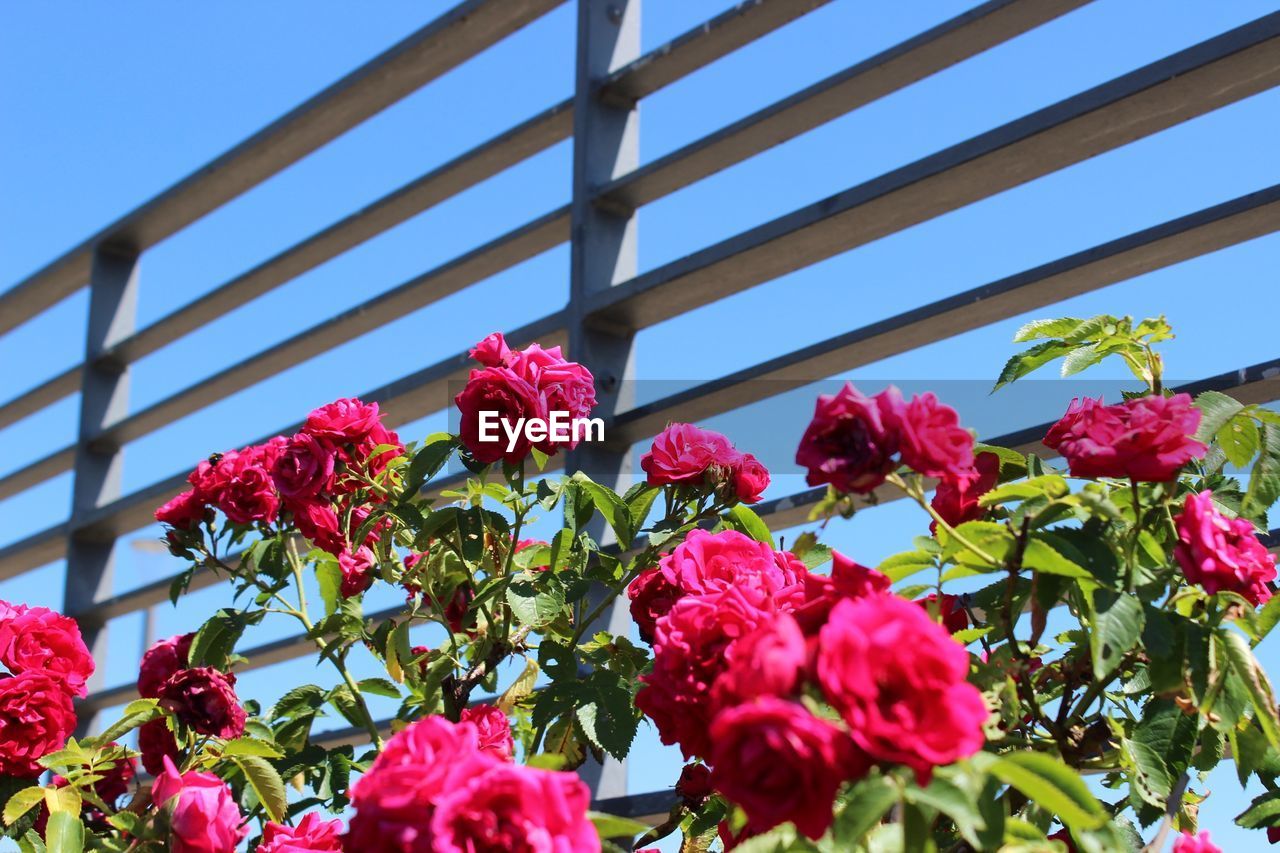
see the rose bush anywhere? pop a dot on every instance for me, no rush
(820, 704)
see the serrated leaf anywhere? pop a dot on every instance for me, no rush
(1264, 480)
(1043, 557)
(21, 803)
(379, 687)
(611, 826)
(1117, 625)
(1049, 485)
(868, 801)
(520, 688)
(745, 519)
(1239, 440)
(1216, 409)
(64, 833)
(1058, 328)
(1246, 666)
(136, 713)
(266, 784)
(251, 746)
(1082, 357)
(1030, 360)
(904, 565)
(535, 603)
(1048, 782)
(305, 699)
(1263, 811)
(612, 507)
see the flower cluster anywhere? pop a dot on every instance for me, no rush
(201, 698)
(1146, 439)
(519, 386)
(742, 631)
(48, 664)
(442, 787)
(1220, 553)
(686, 455)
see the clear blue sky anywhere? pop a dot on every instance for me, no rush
(107, 104)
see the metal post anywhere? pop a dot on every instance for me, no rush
(104, 397)
(606, 144)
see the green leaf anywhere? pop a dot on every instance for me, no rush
(1239, 440)
(1042, 557)
(304, 700)
(1048, 485)
(1050, 783)
(65, 833)
(266, 783)
(1216, 409)
(639, 499)
(1036, 329)
(956, 803)
(535, 603)
(1082, 357)
(1263, 811)
(612, 507)
(745, 519)
(136, 713)
(21, 803)
(904, 565)
(427, 461)
(1030, 360)
(561, 544)
(1117, 625)
(1267, 618)
(379, 687)
(1264, 480)
(520, 688)
(251, 746)
(1150, 774)
(217, 638)
(609, 719)
(611, 826)
(329, 576)
(1246, 666)
(868, 801)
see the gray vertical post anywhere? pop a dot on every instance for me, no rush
(104, 397)
(606, 144)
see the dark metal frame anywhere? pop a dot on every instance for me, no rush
(609, 301)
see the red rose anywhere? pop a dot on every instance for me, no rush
(36, 718)
(204, 699)
(319, 523)
(357, 571)
(395, 799)
(36, 639)
(848, 443)
(205, 818)
(750, 478)
(311, 833)
(683, 454)
(156, 743)
(183, 511)
(1147, 439)
(565, 386)
(1064, 835)
(239, 483)
(898, 680)
(1077, 407)
(780, 763)
(848, 579)
(652, 596)
(694, 785)
(506, 398)
(767, 662)
(950, 610)
(342, 422)
(509, 807)
(712, 562)
(957, 500)
(1198, 843)
(1221, 553)
(163, 659)
(492, 351)
(930, 436)
(304, 469)
(493, 730)
(688, 656)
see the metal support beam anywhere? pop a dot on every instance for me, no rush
(104, 396)
(606, 143)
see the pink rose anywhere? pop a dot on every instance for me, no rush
(1220, 553)
(950, 610)
(769, 661)
(367, 459)
(515, 808)
(304, 469)
(156, 743)
(319, 523)
(848, 579)
(239, 483)
(694, 785)
(163, 659)
(930, 436)
(1198, 843)
(492, 351)
(898, 680)
(342, 422)
(493, 730)
(565, 386)
(1147, 439)
(652, 596)
(204, 699)
(311, 833)
(357, 571)
(183, 511)
(683, 454)
(689, 649)
(848, 443)
(957, 500)
(780, 763)
(712, 562)
(750, 478)
(1077, 407)
(36, 718)
(205, 817)
(510, 398)
(36, 639)
(419, 766)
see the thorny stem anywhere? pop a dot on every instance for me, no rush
(916, 493)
